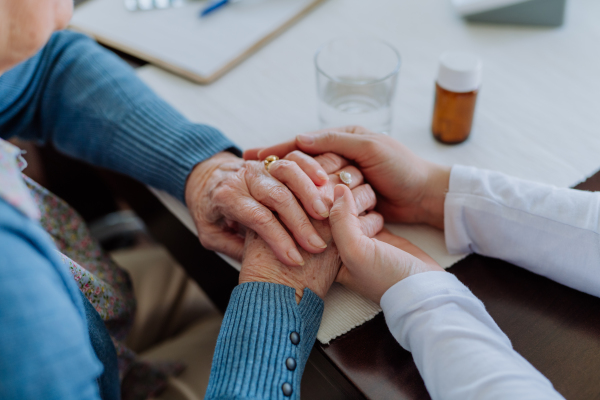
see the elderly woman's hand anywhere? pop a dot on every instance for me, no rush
(226, 194)
(261, 265)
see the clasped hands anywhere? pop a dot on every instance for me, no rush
(339, 236)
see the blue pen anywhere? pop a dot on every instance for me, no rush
(215, 5)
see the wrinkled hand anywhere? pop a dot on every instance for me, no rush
(319, 271)
(410, 189)
(226, 195)
(372, 265)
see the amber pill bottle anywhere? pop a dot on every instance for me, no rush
(457, 86)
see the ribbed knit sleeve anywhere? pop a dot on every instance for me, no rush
(257, 339)
(92, 106)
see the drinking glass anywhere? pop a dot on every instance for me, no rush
(356, 83)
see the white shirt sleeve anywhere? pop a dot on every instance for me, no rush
(459, 350)
(550, 231)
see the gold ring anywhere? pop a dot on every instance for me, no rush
(270, 160)
(345, 177)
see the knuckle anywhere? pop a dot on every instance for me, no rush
(221, 192)
(260, 217)
(280, 196)
(296, 154)
(225, 192)
(282, 238)
(330, 161)
(334, 157)
(285, 164)
(252, 171)
(304, 226)
(357, 129)
(329, 137)
(281, 167)
(331, 158)
(361, 200)
(227, 186)
(292, 165)
(365, 198)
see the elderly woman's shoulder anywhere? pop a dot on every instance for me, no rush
(66, 37)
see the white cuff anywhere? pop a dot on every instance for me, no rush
(408, 295)
(462, 182)
(418, 287)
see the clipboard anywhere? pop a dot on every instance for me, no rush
(176, 39)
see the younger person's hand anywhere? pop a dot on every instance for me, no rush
(410, 189)
(371, 265)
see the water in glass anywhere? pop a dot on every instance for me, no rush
(352, 103)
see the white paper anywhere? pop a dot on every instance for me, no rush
(178, 37)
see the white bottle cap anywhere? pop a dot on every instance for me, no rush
(460, 72)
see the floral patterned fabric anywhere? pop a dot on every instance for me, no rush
(104, 284)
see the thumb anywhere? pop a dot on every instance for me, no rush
(345, 225)
(347, 145)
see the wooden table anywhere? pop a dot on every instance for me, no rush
(554, 327)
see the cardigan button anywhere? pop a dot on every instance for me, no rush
(295, 338)
(287, 389)
(290, 363)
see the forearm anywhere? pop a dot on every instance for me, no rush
(92, 106)
(459, 350)
(550, 231)
(255, 343)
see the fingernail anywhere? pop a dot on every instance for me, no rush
(321, 208)
(305, 139)
(294, 254)
(321, 174)
(316, 241)
(338, 192)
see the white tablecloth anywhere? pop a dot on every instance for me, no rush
(538, 115)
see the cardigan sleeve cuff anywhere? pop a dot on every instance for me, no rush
(257, 341)
(162, 147)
